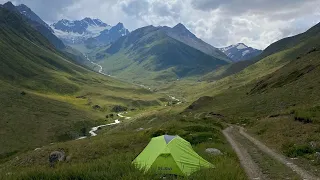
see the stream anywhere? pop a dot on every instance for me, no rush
(96, 64)
(93, 130)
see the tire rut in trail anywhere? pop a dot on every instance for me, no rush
(303, 173)
(250, 167)
(271, 168)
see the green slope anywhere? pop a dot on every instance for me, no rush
(301, 43)
(277, 98)
(150, 54)
(45, 97)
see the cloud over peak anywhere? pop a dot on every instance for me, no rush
(257, 23)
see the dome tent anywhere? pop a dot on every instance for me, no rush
(170, 155)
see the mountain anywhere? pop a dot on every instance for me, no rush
(277, 97)
(48, 96)
(149, 53)
(73, 32)
(182, 34)
(107, 36)
(240, 52)
(28, 13)
(36, 22)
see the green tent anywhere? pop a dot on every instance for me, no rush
(170, 155)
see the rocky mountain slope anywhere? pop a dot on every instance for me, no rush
(107, 36)
(90, 31)
(240, 52)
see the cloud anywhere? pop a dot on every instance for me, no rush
(47, 9)
(257, 23)
(252, 6)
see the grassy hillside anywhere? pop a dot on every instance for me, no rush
(150, 54)
(276, 98)
(291, 48)
(109, 155)
(46, 98)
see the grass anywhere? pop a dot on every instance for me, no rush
(276, 98)
(109, 155)
(58, 99)
(271, 168)
(148, 55)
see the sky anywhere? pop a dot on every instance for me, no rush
(257, 23)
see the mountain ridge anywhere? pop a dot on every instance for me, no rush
(91, 32)
(150, 50)
(182, 34)
(35, 22)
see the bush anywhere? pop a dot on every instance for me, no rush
(303, 116)
(201, 137)
(293, 150)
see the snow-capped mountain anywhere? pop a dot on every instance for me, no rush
(111, 35)
(240, 52)
(107, 36)
(73, 32)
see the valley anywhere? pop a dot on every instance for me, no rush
(95, 94)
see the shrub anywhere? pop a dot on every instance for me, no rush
(303, 116)
(293, 150)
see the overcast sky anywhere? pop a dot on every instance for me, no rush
(256, 23)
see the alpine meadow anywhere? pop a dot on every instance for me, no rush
(141, 90)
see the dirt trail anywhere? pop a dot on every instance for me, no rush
(252, 169)
(303, 173)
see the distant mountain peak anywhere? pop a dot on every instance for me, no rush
(119, 25)
(8, 5)
(184, 35)
(91, 31)
(241, 46)
(179, 26)
(23, 6)
(240, 52)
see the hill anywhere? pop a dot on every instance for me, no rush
(45, 97)
(274, 56)
(36, 22)
(276, 98)
(149, 54)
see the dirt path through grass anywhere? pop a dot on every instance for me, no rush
(254, 161)
(250, 167)
(303, 173)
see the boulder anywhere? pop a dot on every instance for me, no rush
(215, 114)
(81, 97)
(213, 151)
(119, 108)
(56, 156)
(317, 154)
(96, 107)
(68, 159)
